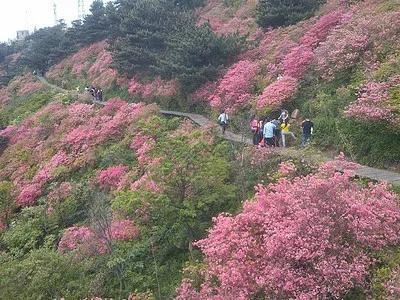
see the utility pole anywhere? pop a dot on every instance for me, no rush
(81, 9)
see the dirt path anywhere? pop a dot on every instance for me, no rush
(362, 171)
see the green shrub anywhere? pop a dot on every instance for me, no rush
(285, 12)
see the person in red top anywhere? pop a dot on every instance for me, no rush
(254, 130)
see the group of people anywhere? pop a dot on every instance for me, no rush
(274, 132)
(95, 92)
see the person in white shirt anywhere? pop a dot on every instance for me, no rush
(223, 120)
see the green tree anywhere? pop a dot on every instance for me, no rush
(276, 13)
(159, 38)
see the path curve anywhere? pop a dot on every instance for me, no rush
(362, 172)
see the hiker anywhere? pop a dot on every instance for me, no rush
(284, 115)
(254, 129)
(268, 131)
(34, 73)
(285, 126)
(78, 89)
(260, 132)
(223, 120)
(277, 132)
(100, 95)
(307, 130)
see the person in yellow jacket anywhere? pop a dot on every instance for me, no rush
(285, 126)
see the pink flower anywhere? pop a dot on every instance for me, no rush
(124, 230)
(278, 92)
(29, 195)
(308, 238)
(286, 168)
(234, 88)
(112, 176)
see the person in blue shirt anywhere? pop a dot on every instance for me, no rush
(269, 129)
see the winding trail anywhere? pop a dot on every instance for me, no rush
(362, 172)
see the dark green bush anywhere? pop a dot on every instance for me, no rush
(285, 12)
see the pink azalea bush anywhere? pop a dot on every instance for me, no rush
(124, 230)
(93, 63)
(308, 238)
(112, 176)
(84, 239)
(22, 86)
(278, 92)
(155, 88)
(322, 28)
(234, 89)
(297, 61)
(66, 142)
(286, 168)
(373, 102)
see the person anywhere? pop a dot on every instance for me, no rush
(78, 89)
(100, 95)
(277, 132)
(284, 115)
(260, 132)
(307, 130)
(268, 131)
(254, 129)
(285, 126)
(223, 121)
(34, 73)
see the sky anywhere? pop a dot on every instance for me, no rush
(28, 14)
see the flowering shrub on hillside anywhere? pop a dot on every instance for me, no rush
(303, 239)
(23, 85)
(277, 92)
(66, 141)
(87, 242)
(112, 176)
(93, 61)
(321, 29)
(155, 88)
(297, 61)
(373, 102)
(234, 89)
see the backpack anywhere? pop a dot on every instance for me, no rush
(254, 126)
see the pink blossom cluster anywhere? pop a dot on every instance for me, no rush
(143, 145)
(322, 28)
(124, 230)
(286, 168)
(373, 103)
(146, 183)
(5, 96)
(65, 142)
(342, 50)
(23, 85)
(297, 61)
(393, 285)
(155, 88)
(306, 238)
(234, 89)
(99, 72)
(112, 177)
(85, 240)
(277, 92)
(214, 12)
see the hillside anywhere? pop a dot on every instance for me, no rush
(120, 201)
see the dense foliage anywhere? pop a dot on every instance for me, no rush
(306, 238)
(284, 12)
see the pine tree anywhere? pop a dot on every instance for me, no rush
(285, 12)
